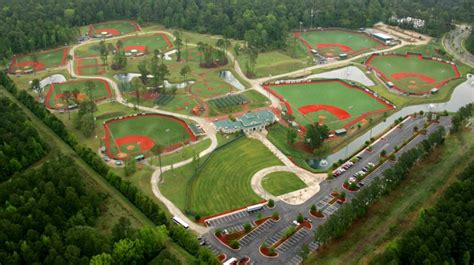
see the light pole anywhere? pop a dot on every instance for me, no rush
(301, 24)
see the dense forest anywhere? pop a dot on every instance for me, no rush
(20, 144)
(444, 233)
(38, 24)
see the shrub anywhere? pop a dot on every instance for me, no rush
(271, 203)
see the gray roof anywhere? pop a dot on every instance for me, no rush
(248, 120)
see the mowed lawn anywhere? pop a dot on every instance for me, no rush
(278, 183)
(333, 93)
(358, 42)
(151, 42)
(79, 90)
(163, 130)
(272, 63)
(224, 182)
(124, 27)
(391, 65)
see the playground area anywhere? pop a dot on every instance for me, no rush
(413, 73)
(139, 133)
(112, 29)
(76, 92)
(333, 42)
(210, 89)
(24, 64)
(334, 103)
(146, 44)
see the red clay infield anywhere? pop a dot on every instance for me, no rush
(139, 48)
(343, 48)
(422, 77)
(145, 142)
(338, 112)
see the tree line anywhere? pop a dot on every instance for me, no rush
(443, 234)
(339, 222)
(31, 25)
(133, 194)
(20, 143)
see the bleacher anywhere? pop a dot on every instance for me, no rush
(228, 101)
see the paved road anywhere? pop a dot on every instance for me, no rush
(453, 43)
(288, 212)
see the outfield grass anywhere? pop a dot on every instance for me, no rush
(395, 213)
(49, 59)
(211, 89)
(124, 27)
(278, 183)
(354, 101)
(151, 42)
(391, 65)
(226, 177)
(163, 131)
(55, 95)
(326, 42)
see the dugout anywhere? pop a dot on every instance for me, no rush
(340, 132)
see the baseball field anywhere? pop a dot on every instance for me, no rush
(137, 134)
(78, 91)
(113, 28)
(332, 102)
(38, 61)
(332, 42)
(413, 73)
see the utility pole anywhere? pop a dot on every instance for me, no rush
(312, 14)
(301, 24)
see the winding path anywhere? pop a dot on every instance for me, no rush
(296, 197)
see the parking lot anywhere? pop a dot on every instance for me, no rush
(228, 218)
(260, 230)
(293, 240)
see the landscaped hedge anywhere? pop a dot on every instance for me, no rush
(134, 195)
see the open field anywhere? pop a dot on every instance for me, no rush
(79, 90)
(38, 61)
(147, 43)
(332, 42)
(279, 183)
(226, 176)
(413, 73)
(395, 213)
(273, 63)
(183, 154)
(114, 28)
(331, 102)
(138, 134)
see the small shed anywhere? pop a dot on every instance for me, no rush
(340, 132)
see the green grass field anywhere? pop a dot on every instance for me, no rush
(46, 59)
(55, 95)
(210, 89)
(412, 73)
(151, 42)
(124, 27)
(328, 42)
(183, 154)
(279, 183)
(224, 182)
(160, 130)
(273, 63)
(334, 93)
(396, 212)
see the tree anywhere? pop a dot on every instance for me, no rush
(291, 135)
(300, 218)
(275, 215)
(313, 209)
(67, 97)
(122, 229)
(128, 251)
(154, 240)
(201, 48)
(247, 228)
(316, 134)
(104, 53)
(178, 42)
(234, 244)
(271, 203)
(130, 167)
(185, 71)
(87, 124)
